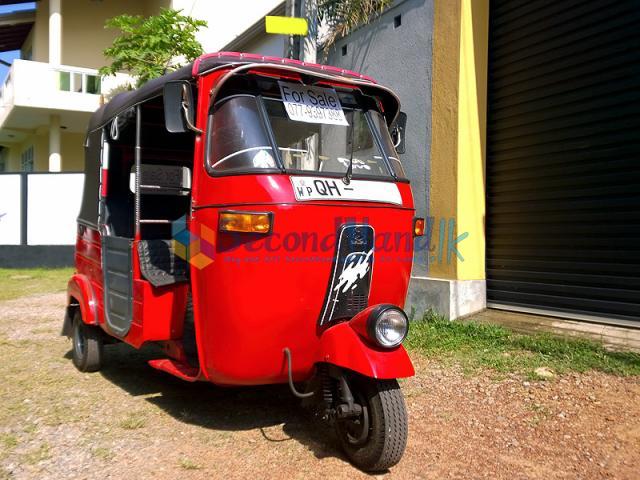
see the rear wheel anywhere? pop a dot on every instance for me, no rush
(375, 440)
(87, 345)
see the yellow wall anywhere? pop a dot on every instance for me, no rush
(83, 34)
(41, 32)
(85, 20)
(457, 185)
(72, 152)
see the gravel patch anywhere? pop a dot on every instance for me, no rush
(58, 423)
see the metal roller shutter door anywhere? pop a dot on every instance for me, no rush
(563, 158)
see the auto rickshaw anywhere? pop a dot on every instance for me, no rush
(231, 215)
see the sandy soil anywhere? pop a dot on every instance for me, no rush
(130, 420)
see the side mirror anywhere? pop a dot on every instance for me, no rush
(179, 107)
(398, 130)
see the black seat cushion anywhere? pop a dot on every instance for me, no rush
(159, 263)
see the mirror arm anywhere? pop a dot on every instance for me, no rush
(190, 125)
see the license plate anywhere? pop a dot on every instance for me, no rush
(315, 188)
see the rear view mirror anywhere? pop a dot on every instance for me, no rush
(398, 129)
(179, 108)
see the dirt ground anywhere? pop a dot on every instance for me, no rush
(131, 421)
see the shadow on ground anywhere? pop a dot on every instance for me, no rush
(227, 409)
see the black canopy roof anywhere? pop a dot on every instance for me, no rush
(153, 88)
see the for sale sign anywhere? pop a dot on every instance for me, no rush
(312, 104)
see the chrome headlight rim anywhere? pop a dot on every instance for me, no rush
(376, 316)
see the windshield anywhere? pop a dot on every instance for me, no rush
(239, 140)
(319, 147)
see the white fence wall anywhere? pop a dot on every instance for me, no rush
(52, 203)
(10, 209)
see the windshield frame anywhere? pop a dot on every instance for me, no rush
(280, 168)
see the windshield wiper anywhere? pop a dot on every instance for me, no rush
(349, 173)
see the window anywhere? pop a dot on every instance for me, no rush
(343, 50)
(78, 82)
(237, 137)
(93, 84)
(326, 148)
(397, 21)
(26, 160)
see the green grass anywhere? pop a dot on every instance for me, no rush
(20, 282)
(477, 345)
(188, 464)
(133, 421)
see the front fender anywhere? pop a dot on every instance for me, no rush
(340, 345)
(79, 288)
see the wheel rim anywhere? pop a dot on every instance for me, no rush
(356, 429)
(79, 341)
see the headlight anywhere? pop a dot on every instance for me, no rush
(388, 327)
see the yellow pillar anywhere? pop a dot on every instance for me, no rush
(455, 285)
(472, 127)
(444, 126)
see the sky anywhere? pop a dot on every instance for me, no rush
(12, 55)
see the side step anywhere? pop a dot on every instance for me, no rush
(180, 370)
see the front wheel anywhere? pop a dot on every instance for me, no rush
(375, 440)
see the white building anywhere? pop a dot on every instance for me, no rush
(50, 92)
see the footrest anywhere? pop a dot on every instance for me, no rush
(180, 370)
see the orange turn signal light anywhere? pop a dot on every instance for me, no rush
(418, 227)
(248, 222)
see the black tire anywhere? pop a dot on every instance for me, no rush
(87, 345)
(189, 334)
(385, 415)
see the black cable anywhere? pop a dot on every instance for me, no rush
(287, 354)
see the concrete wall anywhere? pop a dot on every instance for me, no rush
(400, 58)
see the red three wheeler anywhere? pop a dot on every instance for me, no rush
(250, 216)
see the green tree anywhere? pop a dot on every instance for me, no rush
(150, 47)
(344, 16)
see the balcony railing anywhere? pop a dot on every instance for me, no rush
(42, 85)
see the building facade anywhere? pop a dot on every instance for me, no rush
(522, 149)
(50, 92)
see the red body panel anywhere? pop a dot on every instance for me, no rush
(86, 285)
(262, 293)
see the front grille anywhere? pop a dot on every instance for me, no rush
(356, 302)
